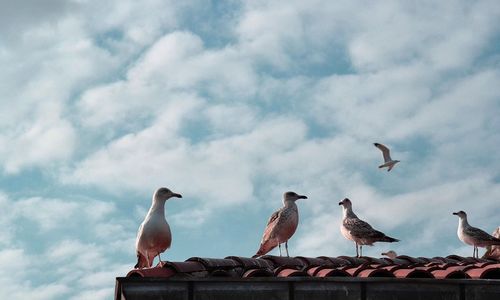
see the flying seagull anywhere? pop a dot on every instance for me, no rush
(473, 236)
(388, 162)
(281, 226)
(154, 236)
(391, 254)
(359, 231)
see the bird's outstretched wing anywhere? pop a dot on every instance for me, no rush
(385, 151)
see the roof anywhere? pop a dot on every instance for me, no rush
(296, 278)
(450, 267)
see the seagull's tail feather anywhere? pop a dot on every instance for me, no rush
(264, 248)
(142, 262)
(389, 239)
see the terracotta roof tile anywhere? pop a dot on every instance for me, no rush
(329, 272)
(449, 273)
(336, 261)
(412, 273)
(450, 267)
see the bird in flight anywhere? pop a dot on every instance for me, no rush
(281, 226)
(388, 161)
(359, 231)
(154, 236)
(473, 236)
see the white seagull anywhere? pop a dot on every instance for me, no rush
(359, 231)
(281, 226)
(154, 236)
(388, 162)
(473, 236)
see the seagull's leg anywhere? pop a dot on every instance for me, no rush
(474, 252)
(286, 248)
(357, 253)
(360, 250)
(159, 258)
(279, 246)
(147, 259)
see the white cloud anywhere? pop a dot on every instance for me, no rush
(159, 157)
(65, 263)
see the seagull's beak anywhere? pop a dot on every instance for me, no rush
(340, 203)
(176, 195)
(455, 213)
(302, 197)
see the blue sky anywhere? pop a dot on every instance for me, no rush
(231, 104)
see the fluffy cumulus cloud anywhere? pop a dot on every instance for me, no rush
(231, 104)
(53, 248)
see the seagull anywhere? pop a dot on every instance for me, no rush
(359, 231)
(388, 162)
(154, 236)
(391, 254)
(281, 226)
(472, 235)
(493, 251)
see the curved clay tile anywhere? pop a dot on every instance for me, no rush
(488, 272)
(278, 261)
(375, 273)
(152, 272)
(248, 263)
(355, 261)
(411, 260)
(287, 272)
(224, 273)
(257, 273)
(215, 263)
(412, 273)
(391, 268)
(450, 274)
(185, 266)
(326, 272)
(337, 262)
(314, 261)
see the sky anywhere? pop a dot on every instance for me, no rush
(231, 104)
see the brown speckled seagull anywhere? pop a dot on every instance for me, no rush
(281, 226)
(359, 231)
(473, 236)
(154, 236)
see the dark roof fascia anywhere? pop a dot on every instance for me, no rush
(125, 280)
